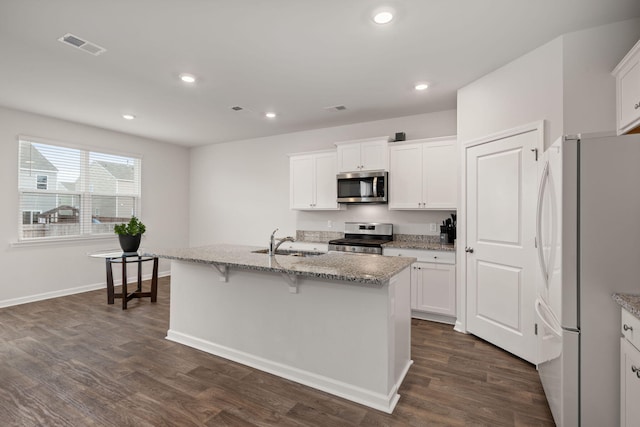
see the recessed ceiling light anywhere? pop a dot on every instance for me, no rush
(270, 115)
(421, 86)
(383, 17)
(128, 116)
(188, 78)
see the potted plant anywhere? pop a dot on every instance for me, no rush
(130, 234)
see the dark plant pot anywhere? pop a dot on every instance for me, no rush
(129, 243)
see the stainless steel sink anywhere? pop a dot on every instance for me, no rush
(290, 252)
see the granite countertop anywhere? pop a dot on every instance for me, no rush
(360, 268)
(629, 302)
(430, 246)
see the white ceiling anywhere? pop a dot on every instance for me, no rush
(294, 57)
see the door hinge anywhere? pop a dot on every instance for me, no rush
(535, 152)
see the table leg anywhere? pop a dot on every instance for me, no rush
(154, 281)
(110, 291)
(124, 283)
(139, 289)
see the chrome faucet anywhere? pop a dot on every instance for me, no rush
(273, 247)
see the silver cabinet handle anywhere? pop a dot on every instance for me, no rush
(468, 249)
(627, 327)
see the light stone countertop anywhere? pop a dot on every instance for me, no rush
(360, 268)
(629, 302)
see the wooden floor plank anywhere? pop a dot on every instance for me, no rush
(76, 361)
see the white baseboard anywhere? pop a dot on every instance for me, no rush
(440, 318)
(459, 328)
(71, 291)
(379, 401)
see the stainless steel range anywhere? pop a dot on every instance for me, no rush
(363, 237)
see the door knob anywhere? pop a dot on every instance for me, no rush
(468, 249)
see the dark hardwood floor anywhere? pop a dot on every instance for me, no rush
(76, 361)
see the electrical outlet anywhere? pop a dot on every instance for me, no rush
(433, 227)
(330, 224)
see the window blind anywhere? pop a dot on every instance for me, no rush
(74, 192)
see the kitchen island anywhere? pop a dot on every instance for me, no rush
(336, 322)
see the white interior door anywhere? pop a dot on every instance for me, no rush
(501, 257)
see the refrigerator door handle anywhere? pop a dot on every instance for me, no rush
(541, 192)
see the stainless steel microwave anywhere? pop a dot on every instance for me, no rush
(362, 187)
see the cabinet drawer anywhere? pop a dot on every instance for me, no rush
(630, 327)
(436, 257)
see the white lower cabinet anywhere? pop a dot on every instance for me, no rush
(305, 246)
(629, 384)
(433, 288)
(433, 283)
(629, 371)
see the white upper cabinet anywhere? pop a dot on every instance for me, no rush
(405, 177)
(312, 181)
(363, 155)
(627, 75)
(424, 174)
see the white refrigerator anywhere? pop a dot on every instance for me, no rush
(588, 239)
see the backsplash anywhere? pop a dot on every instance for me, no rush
(416, 238)
(317, 236)
(404, 222)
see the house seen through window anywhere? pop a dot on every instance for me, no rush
(72, 192)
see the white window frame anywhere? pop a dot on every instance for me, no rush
(85, 192)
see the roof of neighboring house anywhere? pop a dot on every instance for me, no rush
(118, 170)
(69, 186)
(33, 159)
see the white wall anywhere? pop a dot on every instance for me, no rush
(524, 91)
(589, 87)
(41, 271)
(240, 189)
(566, 82)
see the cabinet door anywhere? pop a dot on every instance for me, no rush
(435, 288)
(405, 177)
(326, 194)
(629, 95)
(629, 384)
(440, 175)
(349, 158)
(301, 182)
(373, 155)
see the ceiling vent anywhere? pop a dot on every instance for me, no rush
(78, 43)
(335, 108)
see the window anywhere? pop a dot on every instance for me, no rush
(41, 182)
(71, 192)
